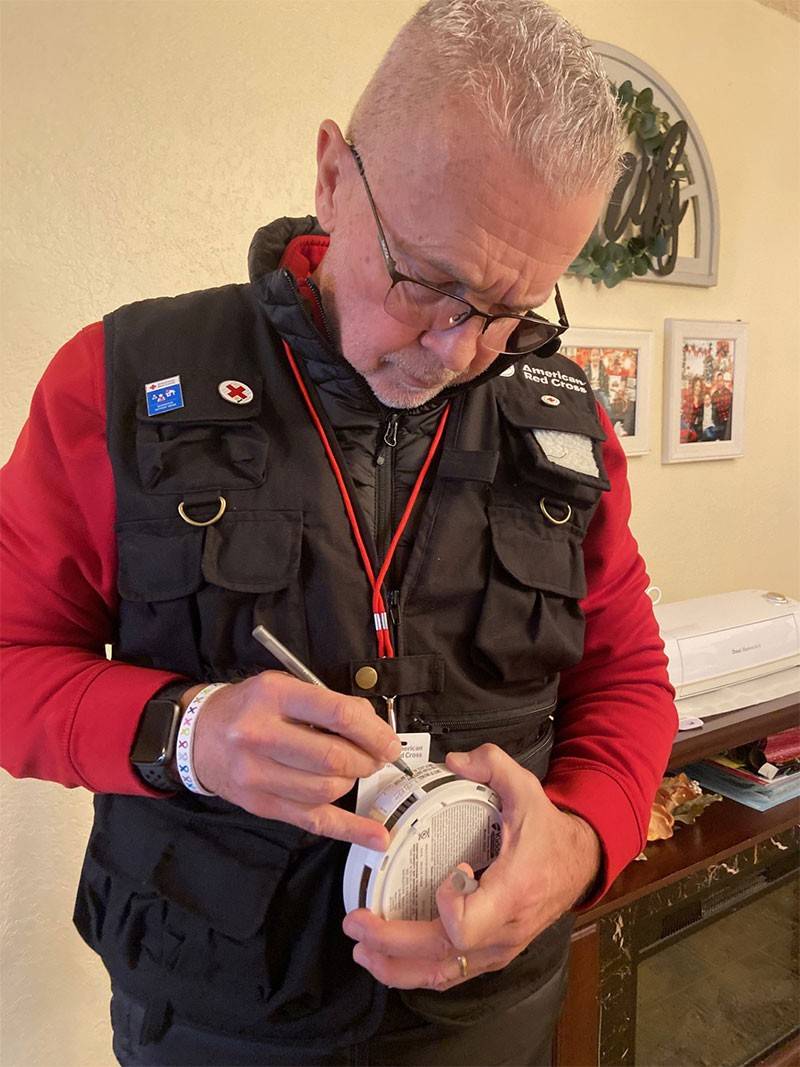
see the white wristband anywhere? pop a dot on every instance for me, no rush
(183, 749)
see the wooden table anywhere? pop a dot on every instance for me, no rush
(722, 830)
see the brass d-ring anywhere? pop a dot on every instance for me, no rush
(209, 522)
(552, 518)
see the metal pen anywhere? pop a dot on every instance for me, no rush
(299, 670)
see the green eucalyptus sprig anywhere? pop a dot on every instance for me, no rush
(611, 262)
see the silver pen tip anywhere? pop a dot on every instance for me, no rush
(403, 766)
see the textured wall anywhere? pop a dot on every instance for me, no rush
(786, 7)
(144, 143)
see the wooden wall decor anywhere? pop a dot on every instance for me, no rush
(665, 200)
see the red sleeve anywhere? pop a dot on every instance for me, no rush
(616, 719)
(69, 714)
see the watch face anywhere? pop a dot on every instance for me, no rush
(155, 739)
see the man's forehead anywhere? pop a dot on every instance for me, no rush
(475, 216)
(492, 245)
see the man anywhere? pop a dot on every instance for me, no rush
(374, 451)
(598, 377)
(623, 412)
(721, 399)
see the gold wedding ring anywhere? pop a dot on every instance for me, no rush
(463, 969)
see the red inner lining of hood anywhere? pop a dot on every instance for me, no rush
(302, 256)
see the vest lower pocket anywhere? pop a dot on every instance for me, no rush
(191, 596)
(226, 922)
(174, 910)
(525, 734)
(227, 887)
(530, 622)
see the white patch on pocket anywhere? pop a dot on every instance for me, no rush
(571, 450)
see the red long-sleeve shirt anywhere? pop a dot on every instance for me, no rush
(69, 715)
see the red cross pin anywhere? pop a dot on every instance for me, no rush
(235, 392)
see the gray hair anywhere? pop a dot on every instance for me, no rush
(530, 74)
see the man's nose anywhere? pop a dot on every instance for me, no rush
(455, 348)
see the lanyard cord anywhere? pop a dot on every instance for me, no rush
(385, 648)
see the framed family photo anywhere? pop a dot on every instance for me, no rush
(704, 386)
(617, 364)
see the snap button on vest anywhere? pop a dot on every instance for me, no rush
(366, 677)
(551, 401)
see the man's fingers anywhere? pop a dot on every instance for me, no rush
(491, 766)
(351, 717)
(323, 819)
(451, 903)
(476, 920)
(397, 937)
(298, 746)
(303, 787)
(404, 973)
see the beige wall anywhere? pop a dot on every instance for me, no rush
(144, 142)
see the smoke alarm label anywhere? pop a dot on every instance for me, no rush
(435, 820)
(416, 752)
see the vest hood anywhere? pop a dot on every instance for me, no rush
(269, 243)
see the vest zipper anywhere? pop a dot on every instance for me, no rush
(384, 499)
(446, 726)
(312, 288)
(389, 439)
(384, 485)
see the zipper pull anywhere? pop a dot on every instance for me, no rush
(391, 717)
(389, 438)
(392, 604)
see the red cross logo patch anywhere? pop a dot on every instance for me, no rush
(235, 392)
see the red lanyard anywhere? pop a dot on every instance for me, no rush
(385, 648)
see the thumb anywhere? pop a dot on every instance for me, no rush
(451, 901)
(490, 766)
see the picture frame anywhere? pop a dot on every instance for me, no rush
(705, 364)
(618, 364)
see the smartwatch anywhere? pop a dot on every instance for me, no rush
(153, 752)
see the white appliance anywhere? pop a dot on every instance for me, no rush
(731, 650)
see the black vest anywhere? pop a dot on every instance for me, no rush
(236, 919)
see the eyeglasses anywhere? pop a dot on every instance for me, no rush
(427, 307)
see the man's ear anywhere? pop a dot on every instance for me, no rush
(332, 155)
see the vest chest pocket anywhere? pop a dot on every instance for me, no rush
(194, 594)
(559, 449)
(207, 443)
(530, 623)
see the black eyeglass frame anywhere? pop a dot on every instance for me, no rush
(396, 276)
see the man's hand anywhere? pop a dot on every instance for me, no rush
(284, 749)
(548, 859)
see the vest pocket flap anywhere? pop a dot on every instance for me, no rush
(174, 458)
(159, 559)
(565, 445)
(534, 559)
(570, 415)
(254, 553)
(229, 885)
